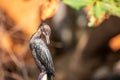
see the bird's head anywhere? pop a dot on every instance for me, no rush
(45, 31)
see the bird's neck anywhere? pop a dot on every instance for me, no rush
(36, 34)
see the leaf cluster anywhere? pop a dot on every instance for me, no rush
(97, 10)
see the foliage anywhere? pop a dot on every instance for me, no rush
(97, 10)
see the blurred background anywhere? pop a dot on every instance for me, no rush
(79, 52)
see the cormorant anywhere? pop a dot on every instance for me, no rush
(41, 52)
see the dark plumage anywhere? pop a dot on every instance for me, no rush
(41, 52)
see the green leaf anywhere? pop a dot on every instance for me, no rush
(116, 11)
(112, 7)
(77, 4)
(98, 11)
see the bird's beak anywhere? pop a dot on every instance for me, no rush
(47, 39)
(47, 36)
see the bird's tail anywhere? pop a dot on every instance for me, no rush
(50, 77)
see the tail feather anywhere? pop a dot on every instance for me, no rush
(50, 77)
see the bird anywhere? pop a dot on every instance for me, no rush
(40, 51)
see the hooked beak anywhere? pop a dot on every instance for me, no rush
(47, 38)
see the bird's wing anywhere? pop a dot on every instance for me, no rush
(44, 56)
